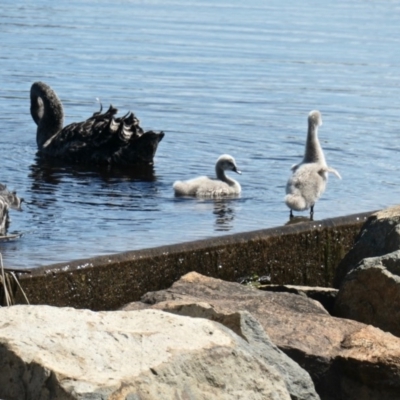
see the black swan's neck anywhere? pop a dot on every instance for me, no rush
(46, 111)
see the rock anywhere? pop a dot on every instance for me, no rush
(346, 359)
(325, 296)
(65, 354)
(369, 275)
(369, 356)
(370, 293)
(379, 235)
(297, 380)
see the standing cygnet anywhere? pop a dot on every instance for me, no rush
(207, 187)
(309, 178)
(7, 200)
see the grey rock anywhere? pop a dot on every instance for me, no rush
(297, 380)
(379, 235)
(64, 354)
(370, 293)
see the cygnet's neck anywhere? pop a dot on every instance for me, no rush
(223, 177)
(313, 152)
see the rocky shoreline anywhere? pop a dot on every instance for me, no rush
(207, 338)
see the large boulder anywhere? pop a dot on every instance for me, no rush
(65, 354)
(370, 293)
(379, 235)
(297, 380)
(368, 277)
(346, 359)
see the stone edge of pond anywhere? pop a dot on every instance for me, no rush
(306, 253)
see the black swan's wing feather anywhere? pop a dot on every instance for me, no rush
(101, 139)
(104, 139)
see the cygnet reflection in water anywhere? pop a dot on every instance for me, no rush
(224, 214)
(309, 178)
(204, 186)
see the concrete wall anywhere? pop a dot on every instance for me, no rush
(303, 254)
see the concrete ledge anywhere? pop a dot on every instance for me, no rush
(306, 253)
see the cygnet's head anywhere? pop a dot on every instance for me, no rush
(227, 163)
(315, 118)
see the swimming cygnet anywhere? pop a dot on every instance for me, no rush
(309, 178)
(207, 187)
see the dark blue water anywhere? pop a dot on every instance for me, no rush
(218, 77)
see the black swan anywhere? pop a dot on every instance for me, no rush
(100, 140)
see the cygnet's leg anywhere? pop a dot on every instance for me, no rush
(312, 212)
(291, 214)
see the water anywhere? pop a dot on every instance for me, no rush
(218, 77)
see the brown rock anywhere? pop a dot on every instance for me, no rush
(371, 357)
(346, 359)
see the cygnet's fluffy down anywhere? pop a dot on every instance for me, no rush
(203, 186)
(7, 200)
(309, 178)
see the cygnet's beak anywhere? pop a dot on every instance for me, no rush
(237, 171)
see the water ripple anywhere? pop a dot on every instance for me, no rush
(217, 77)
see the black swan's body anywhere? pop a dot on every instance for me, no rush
(7, 200)
(100, 140)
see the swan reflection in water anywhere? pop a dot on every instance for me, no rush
(50, 171)
(83, 181)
